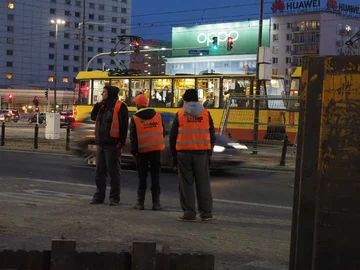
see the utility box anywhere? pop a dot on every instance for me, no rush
(265, 72)
(52, 128)
(265, 55)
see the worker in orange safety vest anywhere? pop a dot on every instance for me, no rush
(147, 141)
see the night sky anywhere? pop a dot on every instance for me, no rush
(154, 19)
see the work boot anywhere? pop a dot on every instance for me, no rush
(140, 200)
(156, 201)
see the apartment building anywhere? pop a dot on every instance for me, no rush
(31, 53)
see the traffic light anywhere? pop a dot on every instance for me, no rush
(47, 93)
(136, 44)
(229, 43)
(215, 45)
(10, 98)
(36, 100)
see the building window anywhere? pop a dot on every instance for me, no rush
(101, 7)
(67, 2)
(101, 28)
(288, 60)
(67, 24)
(101, 39)
(51, 56)
(75, 69)
(66, 46)
(123, 20)
(65, 80)
(9, 52)
(275, 37)
(11, 17)
(91, 16)
(52, 11)
(76, 25)
(51, 45)
(91, 5)
(288, 37)
(113, 40)
(10, 28)
(288, 48)
(51, 67)
(77, 14)
(114, 19)
(52, 34)
(76, 47)
(101, 17)
(90, 49)
(67, 13)
(77, 36)
(65, 68)
(113, 30)
(66, 35)
(123, 10)
(66, 57)
(50, 79)
(9, 76)
(11, 5)
(78, 3)
(100, 50)
(289, 25)
(91, 38)
(9, 64)
(275, 49)
(123, 31)
(99, 61)
(91, 27)
(76, 58)
(10, 40)
(274, 71)
(124, 1)
(114, 9)
(89, 58)
(275, 60)
(276, 26)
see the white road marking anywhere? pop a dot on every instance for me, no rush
(92, 186)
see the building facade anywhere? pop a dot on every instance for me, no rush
(28, 43)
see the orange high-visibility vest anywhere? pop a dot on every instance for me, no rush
(193, 132)
(150, 134)
(115, 125)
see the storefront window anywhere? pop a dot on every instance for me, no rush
(161, 93)
(209, 92)
(139, 87)
(123, 85)
(180, 86)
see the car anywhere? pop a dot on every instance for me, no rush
(11, 115)
(2, 117)
(42, 118)
(227, 153)
(66, 118)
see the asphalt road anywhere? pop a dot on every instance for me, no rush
(253, 210)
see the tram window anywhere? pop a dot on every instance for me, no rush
(98, 86)
(123, 85)
(161, 93)
(180, 86)
(139, 87)
(209, 92)
(239, 88)
(275, 88)
(82, 90)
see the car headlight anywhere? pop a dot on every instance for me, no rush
(218, 148)
(238, 146)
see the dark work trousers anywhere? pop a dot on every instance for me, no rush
(194, 167)
(142, 162)
(107, 162)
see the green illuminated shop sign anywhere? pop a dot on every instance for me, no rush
(244, 36)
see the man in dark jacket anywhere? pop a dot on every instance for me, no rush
(147, 134)
(192, 138)
(111, 116)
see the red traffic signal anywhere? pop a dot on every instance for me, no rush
(10, 96)
(36, 109)
(229, 43)
(136, 44)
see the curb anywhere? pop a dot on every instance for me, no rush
(270, 168)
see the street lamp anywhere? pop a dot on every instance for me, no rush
(57, 23)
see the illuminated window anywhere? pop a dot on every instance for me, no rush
(50, 79)
(11, 5)
(65, 80)
(9, 76)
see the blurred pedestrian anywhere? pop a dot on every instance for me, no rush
(192, 138)
(111, 116)
(147, 141)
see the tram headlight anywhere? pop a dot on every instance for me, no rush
(219, 149)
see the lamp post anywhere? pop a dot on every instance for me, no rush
(57, 23)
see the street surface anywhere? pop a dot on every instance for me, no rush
(46, 196)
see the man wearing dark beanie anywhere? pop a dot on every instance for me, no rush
(192, 138)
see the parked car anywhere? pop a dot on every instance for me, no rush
(11, 115)
(227, 153)
(66, 118)
(42, 118)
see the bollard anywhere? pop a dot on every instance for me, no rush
(3, 134)
(67, 147)
(36, 136)
(284, 149)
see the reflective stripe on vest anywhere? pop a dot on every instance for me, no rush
(149, 134)
(115, 125)
(193, 132)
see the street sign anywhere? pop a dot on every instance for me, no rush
(198, 51)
